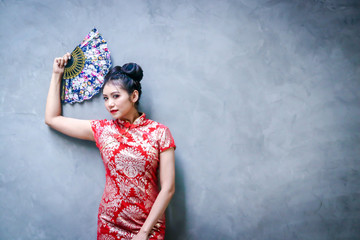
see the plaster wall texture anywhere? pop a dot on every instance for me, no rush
(262, 98)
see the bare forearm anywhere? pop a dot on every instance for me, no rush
(157, 210)
(69, 126)
(53, 104)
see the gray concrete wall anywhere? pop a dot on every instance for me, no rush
(262, 98)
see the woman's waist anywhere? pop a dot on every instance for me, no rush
(138, 189)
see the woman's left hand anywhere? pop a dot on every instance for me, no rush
(141, 236)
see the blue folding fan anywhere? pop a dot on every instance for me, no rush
(85, 71)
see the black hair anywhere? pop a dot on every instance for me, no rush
(127, 77)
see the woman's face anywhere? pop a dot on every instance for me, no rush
(118, 102)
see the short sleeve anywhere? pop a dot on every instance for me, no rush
(97, 127)
(166, 140)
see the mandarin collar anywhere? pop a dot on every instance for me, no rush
(141, 120)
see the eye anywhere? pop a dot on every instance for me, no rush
(106, 98)
(116, 95)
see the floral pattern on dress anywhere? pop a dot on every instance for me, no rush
(131, 156)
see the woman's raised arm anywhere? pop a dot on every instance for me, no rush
(70, 126)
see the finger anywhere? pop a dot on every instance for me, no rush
(61, 61)
(58, 61)
(67, 56)
(65, 61)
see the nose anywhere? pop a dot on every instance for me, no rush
(110, 103)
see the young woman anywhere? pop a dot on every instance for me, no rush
(135, 151)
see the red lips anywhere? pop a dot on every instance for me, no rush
(113, 111)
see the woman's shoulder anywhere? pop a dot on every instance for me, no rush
(158, 130)
(155, 124)
(162, 134)
(102, 122)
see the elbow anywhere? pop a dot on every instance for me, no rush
(170, 191)
(48, 121)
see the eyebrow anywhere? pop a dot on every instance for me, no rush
(111, 93)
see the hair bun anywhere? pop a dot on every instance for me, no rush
(133, 70)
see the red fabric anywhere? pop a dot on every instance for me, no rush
(131, 155)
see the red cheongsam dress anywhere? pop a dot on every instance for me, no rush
(131, 156)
